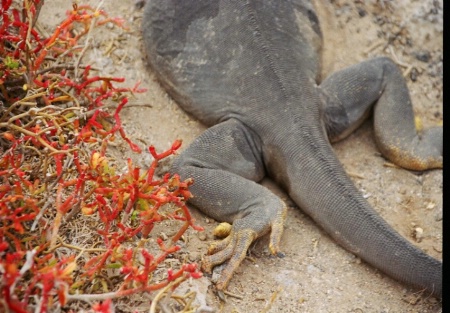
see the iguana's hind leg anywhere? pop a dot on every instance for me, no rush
(225, 163)
(348, 96)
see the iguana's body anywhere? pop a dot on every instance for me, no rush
(250, 68)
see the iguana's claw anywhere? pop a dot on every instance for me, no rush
(235, 246)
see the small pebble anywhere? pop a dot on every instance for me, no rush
(163, 236)
(423, 56)
(418, 234)
(362, 12)
(201, 236)
(194, 256)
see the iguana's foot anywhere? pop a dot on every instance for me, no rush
(234, 247)
(425, 150)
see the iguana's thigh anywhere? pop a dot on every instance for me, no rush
(226, 164)
(348, 96)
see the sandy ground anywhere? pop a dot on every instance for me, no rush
(316, 275)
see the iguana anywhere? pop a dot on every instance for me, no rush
(250, 70)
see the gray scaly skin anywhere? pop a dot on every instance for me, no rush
(250, 70)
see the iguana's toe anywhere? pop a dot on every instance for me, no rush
(277, 231)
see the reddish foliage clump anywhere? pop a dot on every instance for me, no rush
(54, 166)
